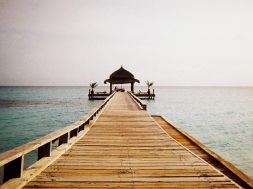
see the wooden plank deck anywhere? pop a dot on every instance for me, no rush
(126, 148)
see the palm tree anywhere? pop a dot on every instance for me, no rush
(93, 86)
(149, 84)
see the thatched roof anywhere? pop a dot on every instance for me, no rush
(121, 76)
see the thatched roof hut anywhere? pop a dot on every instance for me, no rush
(122, 76)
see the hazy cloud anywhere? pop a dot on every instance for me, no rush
(75, 42)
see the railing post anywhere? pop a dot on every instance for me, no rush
(64, 139)
(144, 106)
(13, 169)
(45, 150)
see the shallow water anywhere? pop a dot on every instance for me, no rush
(221, 118)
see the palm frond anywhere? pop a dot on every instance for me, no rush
(93, 85)
(149, 83)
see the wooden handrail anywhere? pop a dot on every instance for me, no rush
(15, 157)
(138, 101)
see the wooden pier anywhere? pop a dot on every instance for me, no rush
(119, 145)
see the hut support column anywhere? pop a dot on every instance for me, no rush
(110, 88)
(132, 87)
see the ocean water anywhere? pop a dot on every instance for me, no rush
(219, 117)
(27, 113)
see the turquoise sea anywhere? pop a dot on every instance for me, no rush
(219, 117)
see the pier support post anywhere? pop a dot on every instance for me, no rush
(110, 88)
(13, 169)
(132, 87)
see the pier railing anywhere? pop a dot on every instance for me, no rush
(13, 160)
(138, 101)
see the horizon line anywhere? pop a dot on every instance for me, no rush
(129, 86)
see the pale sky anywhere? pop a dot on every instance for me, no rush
(172, 42)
